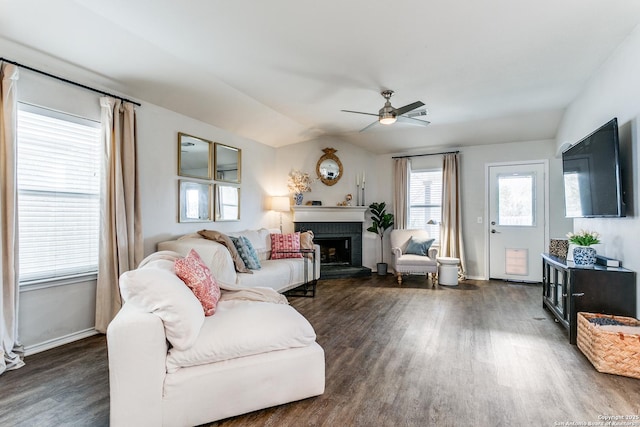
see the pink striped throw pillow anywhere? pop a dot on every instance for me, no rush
(285, 246)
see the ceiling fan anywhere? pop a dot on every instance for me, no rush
(389, 115)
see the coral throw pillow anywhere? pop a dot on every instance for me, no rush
(285, 246)
(197, 276)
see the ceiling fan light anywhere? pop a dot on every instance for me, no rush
(387, 119)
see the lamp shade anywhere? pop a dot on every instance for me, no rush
(280, 203)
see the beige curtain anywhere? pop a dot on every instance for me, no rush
(120, 217)
(10, 349)
(451, 229)
(401, 173)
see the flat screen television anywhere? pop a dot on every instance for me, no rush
(591, 171)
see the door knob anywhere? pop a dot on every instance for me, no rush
(493, 231)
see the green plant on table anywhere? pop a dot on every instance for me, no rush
(584, 238)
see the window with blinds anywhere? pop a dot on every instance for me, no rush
(58, 174)
(425, 201)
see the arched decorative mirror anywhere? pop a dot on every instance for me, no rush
(194, 156)
(329, 167)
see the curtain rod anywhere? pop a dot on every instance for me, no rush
(44, 73)
(422, 155)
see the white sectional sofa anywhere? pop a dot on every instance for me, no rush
(280, 274)
(169, 365)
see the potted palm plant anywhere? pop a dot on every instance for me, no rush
(381, 222)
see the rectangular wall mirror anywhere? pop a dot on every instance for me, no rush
(194, 156)
(227, 163)
(227, 203)
(195, 201)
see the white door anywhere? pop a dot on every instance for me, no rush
(517, 225)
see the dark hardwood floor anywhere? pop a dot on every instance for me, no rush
(480, 354)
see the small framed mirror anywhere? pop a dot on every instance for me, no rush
(194, 156)
(227, 163)
(329, 167)
(195, 201)
(227, 203)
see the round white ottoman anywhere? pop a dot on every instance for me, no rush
(448, 270)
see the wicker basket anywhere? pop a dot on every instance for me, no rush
(610, 352)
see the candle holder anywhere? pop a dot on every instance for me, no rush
(363, 203)
(357, 194)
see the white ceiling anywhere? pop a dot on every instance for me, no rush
(280, 71)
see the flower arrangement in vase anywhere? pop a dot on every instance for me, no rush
(298, 183)
(583, 254)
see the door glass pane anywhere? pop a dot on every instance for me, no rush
(516, 199)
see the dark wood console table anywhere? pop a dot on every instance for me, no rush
(566, 290)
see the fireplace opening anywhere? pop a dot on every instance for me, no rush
(340, 248)
(335, 251)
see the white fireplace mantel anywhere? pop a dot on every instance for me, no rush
(328, 213)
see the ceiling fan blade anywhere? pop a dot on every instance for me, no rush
(417, 113)
(359, 112)
(411, 121)
(370, 126)
(402, 110)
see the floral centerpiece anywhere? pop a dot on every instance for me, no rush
(298, 183)
(584, 238)
(584, 255)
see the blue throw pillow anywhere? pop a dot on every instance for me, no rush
(247, 252)
(419, 246)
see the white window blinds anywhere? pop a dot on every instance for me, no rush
(58, 194)
(425, 201)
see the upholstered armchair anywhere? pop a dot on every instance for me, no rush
(413, 254)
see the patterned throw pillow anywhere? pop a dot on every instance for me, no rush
(198, 278)
(247, 252)
(419, 246)
(285, 245)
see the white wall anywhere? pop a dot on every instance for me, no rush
(158, 158)
(379, 172)
(304, 157)
(473, 187)
(613, 91)
(52, 315)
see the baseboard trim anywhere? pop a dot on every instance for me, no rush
(56, 342)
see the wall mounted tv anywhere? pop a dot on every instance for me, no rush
(591, 171)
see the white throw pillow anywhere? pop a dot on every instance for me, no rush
(244, 328)
(156, 289)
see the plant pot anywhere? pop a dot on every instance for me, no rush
(298, 198)
(382, 268)
(584, 256)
